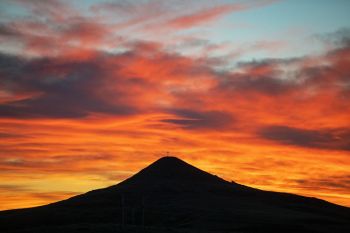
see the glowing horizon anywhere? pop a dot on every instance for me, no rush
(252, 91)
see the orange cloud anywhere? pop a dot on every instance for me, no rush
(120, 112)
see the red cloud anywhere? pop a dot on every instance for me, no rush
(211, 14)
(203, 16)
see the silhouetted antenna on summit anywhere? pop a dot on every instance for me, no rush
(162, 154)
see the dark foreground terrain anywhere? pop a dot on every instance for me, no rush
(173, 196)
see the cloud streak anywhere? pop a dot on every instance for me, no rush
(205, 16)
(337, 139)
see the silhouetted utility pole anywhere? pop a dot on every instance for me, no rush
(123, 210)
(133, 216)
(143, 211)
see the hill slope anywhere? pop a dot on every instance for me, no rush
(173, 196)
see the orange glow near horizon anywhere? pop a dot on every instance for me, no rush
(76, 156)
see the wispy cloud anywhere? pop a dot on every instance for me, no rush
(205, 16)
(321, 138)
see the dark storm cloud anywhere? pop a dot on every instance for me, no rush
(11, 135)
(190, 119)
(266, 85)
(262, 77)
(60, 89)
(54, 163)
(330, 183)
(277, 77)
(340, 37)
(6, 31)
(14, 188)
(333, 139)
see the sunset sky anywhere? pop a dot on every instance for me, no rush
(253, 91)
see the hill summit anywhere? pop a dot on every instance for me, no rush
(171, 195)
(173, 169)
